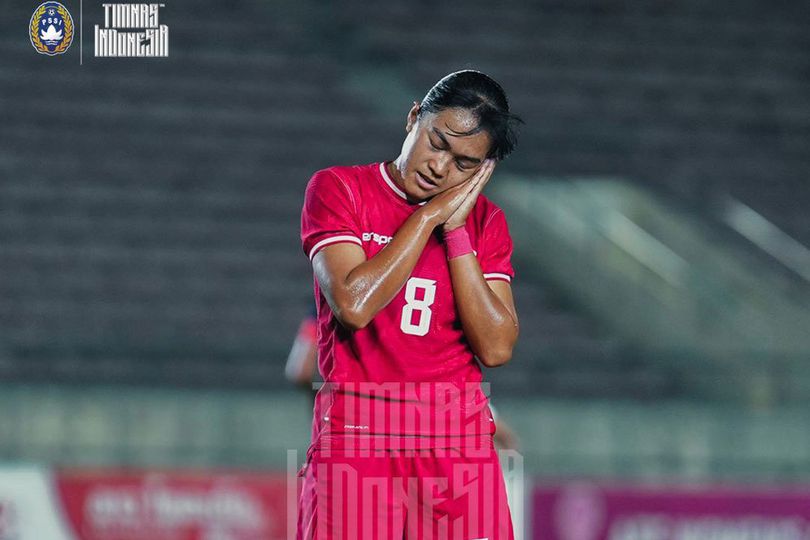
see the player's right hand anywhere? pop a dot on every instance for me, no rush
(442, 206)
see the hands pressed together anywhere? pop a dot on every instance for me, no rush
(451, 208)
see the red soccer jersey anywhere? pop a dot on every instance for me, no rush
(397, 375)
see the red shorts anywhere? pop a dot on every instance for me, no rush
(428, 494)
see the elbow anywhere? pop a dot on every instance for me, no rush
(496, 357)
(499, 352)
(351, 318)
(349, 311)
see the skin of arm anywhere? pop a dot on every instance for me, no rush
(357, 288)
(486, 309)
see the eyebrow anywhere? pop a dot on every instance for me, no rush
(444, 140)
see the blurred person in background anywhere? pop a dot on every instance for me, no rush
(301, 365)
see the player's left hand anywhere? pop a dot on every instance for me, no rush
(459, 217)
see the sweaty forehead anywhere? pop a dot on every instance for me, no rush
(455, 121)
(452, 124)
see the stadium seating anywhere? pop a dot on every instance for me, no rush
(693, 98)
(149, 209)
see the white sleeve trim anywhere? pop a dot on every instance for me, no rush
(496, 275)
(333, 240)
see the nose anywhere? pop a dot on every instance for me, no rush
(438, 166)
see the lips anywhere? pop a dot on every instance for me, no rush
(423, 181)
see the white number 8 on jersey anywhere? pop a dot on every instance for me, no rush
(422, 307)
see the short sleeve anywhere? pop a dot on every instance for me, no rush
(329, 215)
(495, 248)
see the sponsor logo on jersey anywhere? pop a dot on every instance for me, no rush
(380, 239)
(132, 30)
(51, 29)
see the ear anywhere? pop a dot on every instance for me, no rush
(411, 119)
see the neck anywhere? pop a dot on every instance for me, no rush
(396, 176)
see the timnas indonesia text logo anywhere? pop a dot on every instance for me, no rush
(132, 30)
(51, 29)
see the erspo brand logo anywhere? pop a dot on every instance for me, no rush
(381, 239)
(132, 30)
(51, 29)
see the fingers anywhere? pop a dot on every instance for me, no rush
(466, 198)
(482, 171)
(483, 175)
(468, 191)
(480, 177)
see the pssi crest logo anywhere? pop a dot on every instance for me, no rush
(51, 29)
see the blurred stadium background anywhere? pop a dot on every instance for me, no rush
(152, 281)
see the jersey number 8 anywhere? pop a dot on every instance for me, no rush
(421, 307)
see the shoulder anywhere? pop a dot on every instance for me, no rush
(486, 211)
(341, 182)
(345, 178)
(348, 175)
(330, 176)
(488, 222)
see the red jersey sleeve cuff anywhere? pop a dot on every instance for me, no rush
(497, 275)
(333, 240)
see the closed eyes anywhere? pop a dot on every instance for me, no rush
(458, 161)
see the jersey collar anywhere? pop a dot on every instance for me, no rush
(393, 186)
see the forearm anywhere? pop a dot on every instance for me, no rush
(490, 328)
(370, 286)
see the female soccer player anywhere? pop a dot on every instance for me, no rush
(412, 287)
